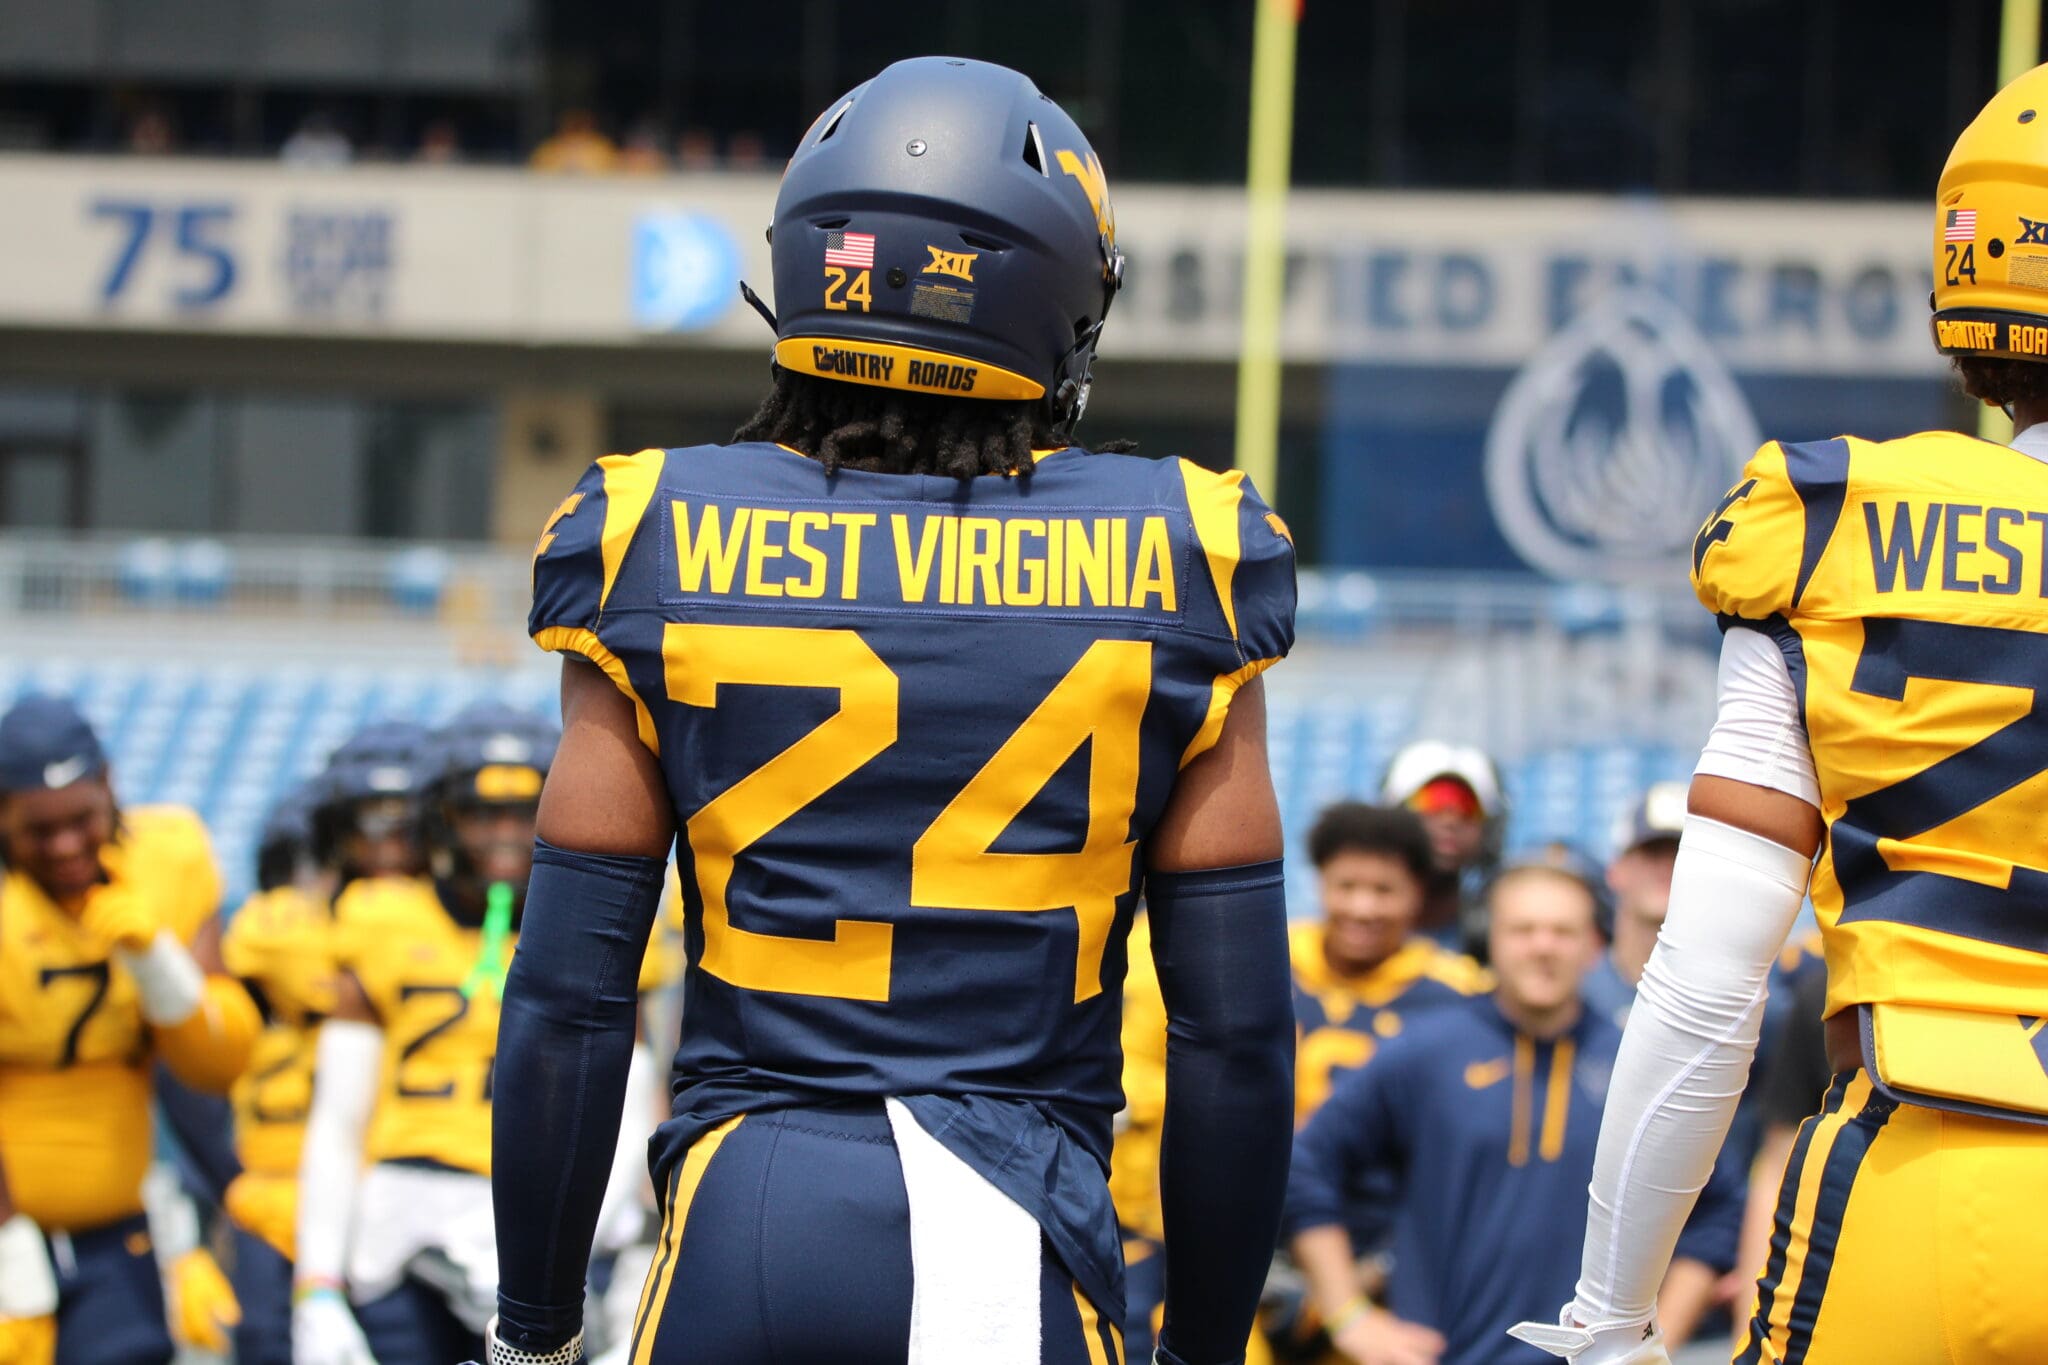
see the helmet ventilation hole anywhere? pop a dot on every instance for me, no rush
(1034, 149)
(832, 123)
(980, 243)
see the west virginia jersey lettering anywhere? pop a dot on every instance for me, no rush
(911, 847)
(1117, 562)
(75, 1131)
(1977, 548)
(1911, 612)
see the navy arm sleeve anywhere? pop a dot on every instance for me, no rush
(565, 1043)
(204, 1129)
(1220, 941)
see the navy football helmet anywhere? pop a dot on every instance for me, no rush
(488, 755)
(946, 229)
(376, 768)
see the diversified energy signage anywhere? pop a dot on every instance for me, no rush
(473, 254)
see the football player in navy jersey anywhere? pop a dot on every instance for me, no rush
(922, 694)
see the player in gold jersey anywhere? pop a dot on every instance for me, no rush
(396, 1253)
(358, 818)
(108, 959)
(1884, 657)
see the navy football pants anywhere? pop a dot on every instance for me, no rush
(110, 1301)
(412, 1325)
(263, 1286)
(794, 1248)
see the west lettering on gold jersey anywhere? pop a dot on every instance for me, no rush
(1956, 547)
(1092, 562)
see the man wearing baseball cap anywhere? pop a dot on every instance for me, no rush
(1456, 790)
(109, 960)
(1639, 877)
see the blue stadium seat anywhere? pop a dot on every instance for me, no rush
(230, 740)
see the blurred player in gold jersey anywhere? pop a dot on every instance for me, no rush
(396, 1253)
(108, 958)
(1884, 658)
(359, 818)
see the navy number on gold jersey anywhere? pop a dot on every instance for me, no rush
(1897, 650)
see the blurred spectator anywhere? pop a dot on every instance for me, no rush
(150, 132)
(1456, 790)
(1640, 878)
(1481, 1119)
(440, 144)
(577, 147)
(1361, 970)
(1359, 975)
(318, 144)
(642, 153)
(696, 151)
(745, 151)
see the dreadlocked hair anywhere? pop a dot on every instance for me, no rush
(884, 431)
(2001, 379)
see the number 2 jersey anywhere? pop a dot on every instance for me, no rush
(1904, 582)
(916, 730)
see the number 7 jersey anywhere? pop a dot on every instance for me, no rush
(916, 731)
(1904, 582)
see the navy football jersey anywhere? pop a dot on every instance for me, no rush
(916, 730)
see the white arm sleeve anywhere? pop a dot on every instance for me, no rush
(1684, 1060)
(344, 1093)
(1759, 736)
(169, 983)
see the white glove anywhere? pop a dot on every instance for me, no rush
(1612, 1345)
(28, 1286)
(324, 1332)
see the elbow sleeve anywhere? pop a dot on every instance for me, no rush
(1220, 941)
(212, 1046)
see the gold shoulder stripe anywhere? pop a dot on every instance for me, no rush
(1220, 694)
(1213, 501)
(629, 482)
(576, 640)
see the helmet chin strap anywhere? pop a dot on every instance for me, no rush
(1070, 397)
(754, 300)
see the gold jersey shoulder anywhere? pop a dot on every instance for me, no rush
(282, 940)
(440, 1043)
(1905, 582)
(166, 850)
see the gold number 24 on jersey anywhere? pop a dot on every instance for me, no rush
(1101, 699)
